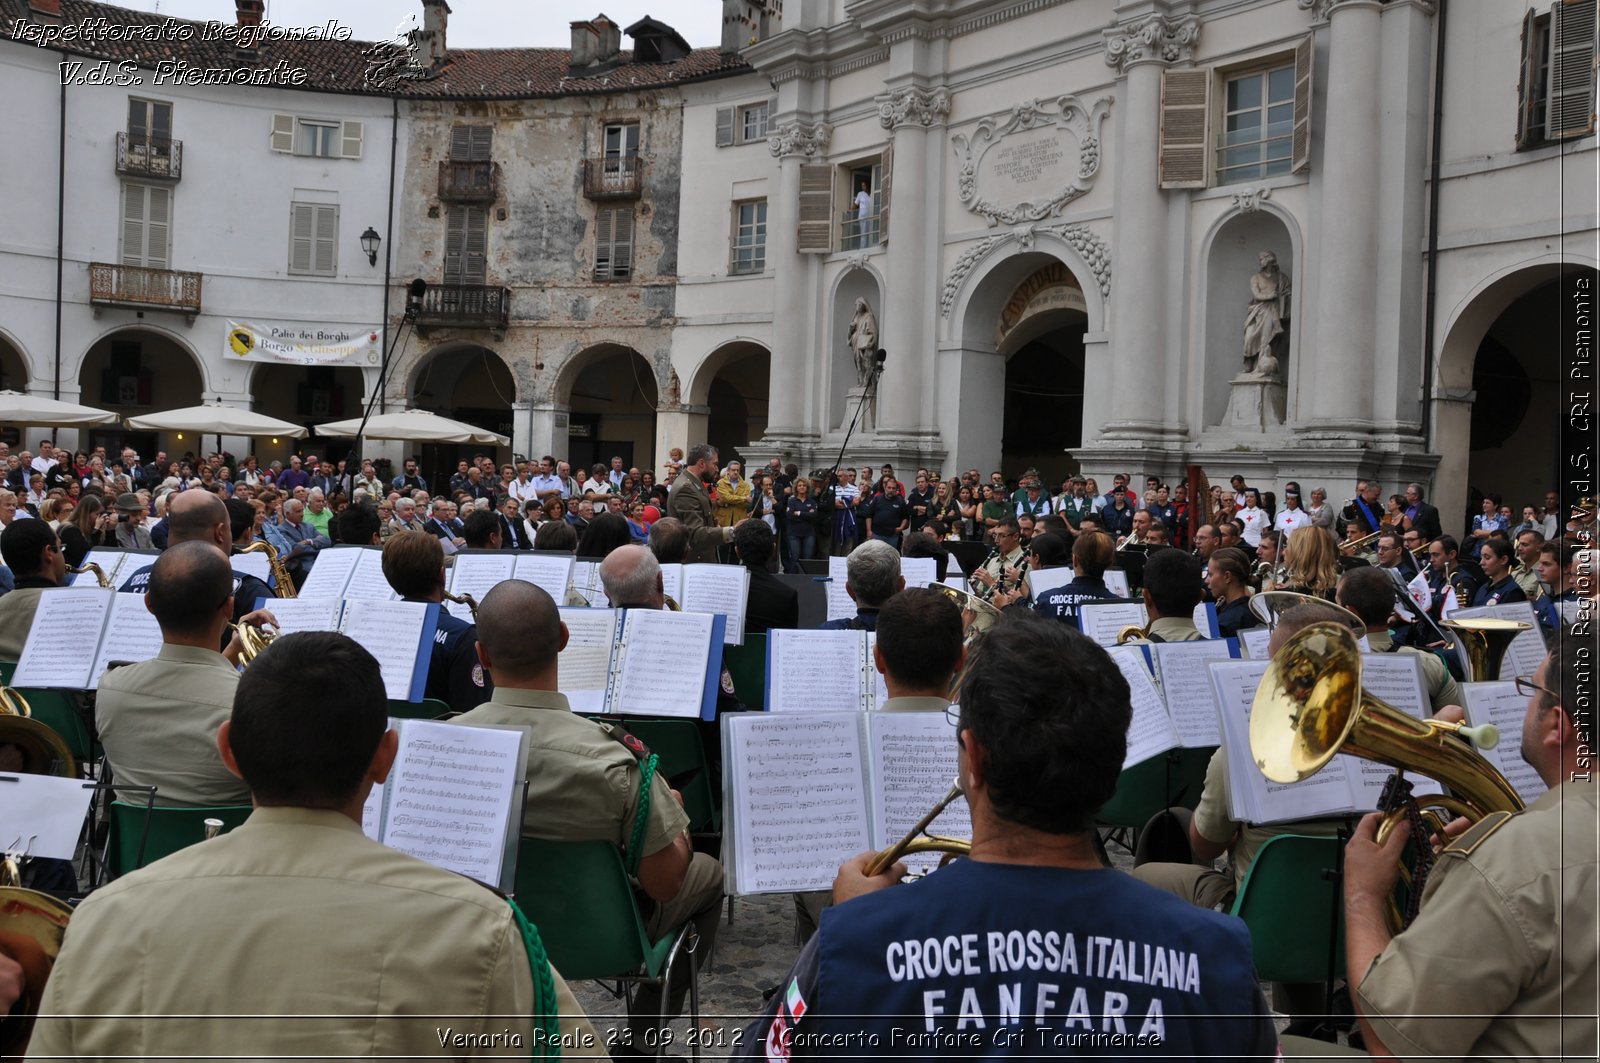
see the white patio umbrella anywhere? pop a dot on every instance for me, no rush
(413, 426)
(214, 418)
(18, 408)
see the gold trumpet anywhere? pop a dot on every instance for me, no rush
(90, 566)
(283, 582)
(464, 599)
(918, 840)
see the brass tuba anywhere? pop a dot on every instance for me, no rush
(283, 583)
(42, 919)
(917, 840)
(99, 573)
(1268, 606)
(44, 752)
(1483, 642)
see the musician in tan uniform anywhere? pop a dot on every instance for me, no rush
(158, 719)
(1500, 963)
(1172, 587)
(690, 502)
(1370, 594)
(337, 945)
(584, 782)
(33, 554)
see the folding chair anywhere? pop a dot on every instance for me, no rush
(1172, 780)
(426, 709)
(580, 898)
(58, 710)
(747, 665)
(142, 834)
(684, 765)
(1292, 899)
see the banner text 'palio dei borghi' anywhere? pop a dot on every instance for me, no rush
(303, 344)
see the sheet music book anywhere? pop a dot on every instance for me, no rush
(71, 620)
(1397, 679)
(641, 662)
(918, 572)
(117, 564)
(586, 581)
(454, 798)
(1116, 582)
(1180, 669)
(1205, 620)
(44, 813)
(477, 574)
(551, 572)
(348, 572)
(807, 791)
(840, 605)
(1500, 704)
(823, 671)
(1048, 579)
(253, 564)
(1344, 786)
(1102, 620)
(1151, 732)
(1527, 650)
(1254, 640)
(711, 588)
(399, 634)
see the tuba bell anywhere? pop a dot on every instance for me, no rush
(1483, 642)
(1269, 606)
(42, 919)
(283, 583)
(44, 752)
(984, 614)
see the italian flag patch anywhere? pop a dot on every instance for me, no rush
(794, 1001)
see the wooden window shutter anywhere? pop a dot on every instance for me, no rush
(133, 225)
(724, 127)
(602, 244)
(1185, 102)
(622, 243)
(325, 239)
(886, 166)
(816, 209)
(1572, 70)
(455, 242)
(471, 143)
(350, 140)
(158, 226)
(1526, 90)
(1300, 146)
(302, 230)
(475, 258)
(283, 133)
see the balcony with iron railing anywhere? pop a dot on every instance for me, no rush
(613, 177)
(466, 182)
(466, 306)
(858, 229)
(149, 155)
(144, 288)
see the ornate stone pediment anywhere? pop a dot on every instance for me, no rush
(799, 138)
(1028, 164)
(1091, 248)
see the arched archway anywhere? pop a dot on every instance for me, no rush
(1232, 257)
(469, 383)
(611, 393)
(138, 370)
(14, 374)
(733, 383)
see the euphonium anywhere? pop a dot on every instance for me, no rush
(1132, 633)
(44, 752)
(43, 919)
(917, 840)
(90, 566)
(1484, 642)
(283, 583)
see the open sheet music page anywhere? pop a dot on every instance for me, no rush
(477, 575)
(918, 572)
(1101, 621)
(132, 635)
(664, 661)
(451, 793)
(1048, 579)
(1186, 686)
(400, 636)
(879, 689)
(330, 572)
(254, 564)
(367, 579)
(1397, 679)
(65, 638)
(1500, 704)
(1253, 642)
(584, 666)
(586, 581)
(1253, 797)
(721, 589)
(1527, 650)
(797, 799)
(44, 813)
(304, 614)
(913, 764)
(840, 605)
(815, 671)
(672, 584)
(1116, 582)
(1151, 731)
(110, 562)
(549, 572)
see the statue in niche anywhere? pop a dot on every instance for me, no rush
(1265, 321)
(863, 339)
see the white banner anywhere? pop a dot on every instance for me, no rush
(302, 344)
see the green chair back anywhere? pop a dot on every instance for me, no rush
(1170, 780)
(426, 709)
(683, 764)
(7, 670)
(58, 710)
(1290, 905)
(579, 896)
(747, 665)
(171, 829)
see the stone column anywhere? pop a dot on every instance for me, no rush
(793, 144)
(547, 429)
(1140, 48)
(910, 114)
(1347, 240)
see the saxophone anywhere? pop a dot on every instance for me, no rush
(284, 583)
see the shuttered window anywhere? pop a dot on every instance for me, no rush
(313, 239)
(613, 244)
(1257, 134)
(471, 143)
(886, 185)
(146, 225)
(815, 234)
(466, 245)
(743, 125)
(316, 137)
(1185, 99)
(1301, 153)
(1572, 72)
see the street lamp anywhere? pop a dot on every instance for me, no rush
(369, 243)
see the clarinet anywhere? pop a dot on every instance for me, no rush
(982, 590)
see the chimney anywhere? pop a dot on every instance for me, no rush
(734, 30)
(608, 40)
(584, 44)
(248, 16)
(46, 10)
(435, 17)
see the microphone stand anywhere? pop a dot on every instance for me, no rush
(870, 393)
(413, 308)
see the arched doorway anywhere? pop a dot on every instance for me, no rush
(135, 370)
(1040, 332)
(612, 397)
(733, 384)
(468, 383)
(309, 395)
(13, 377)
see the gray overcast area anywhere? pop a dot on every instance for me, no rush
(473, 23)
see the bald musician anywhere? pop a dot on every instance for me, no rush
(343, 947)
(33, 554)
(200, 516)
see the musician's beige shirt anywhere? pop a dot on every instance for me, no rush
(1441, 686)
(1503, 945)
(1175, 629)
(296, 913)
(582, 782)
(1213, 819)
(158, 721)
(16, 620)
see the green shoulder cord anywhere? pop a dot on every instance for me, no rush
(641, 819)
(547, 1023)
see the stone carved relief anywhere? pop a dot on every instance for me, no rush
(1249, 200)
(1094, 251)
(1154, 38)
(1037, 162)
(914, 106)
(799, 138)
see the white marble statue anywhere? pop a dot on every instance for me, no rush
(1264, 321)
(863, 340)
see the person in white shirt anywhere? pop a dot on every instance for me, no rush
(46, 459)
(863, 205)
(1292, 516)
(1253, 517)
